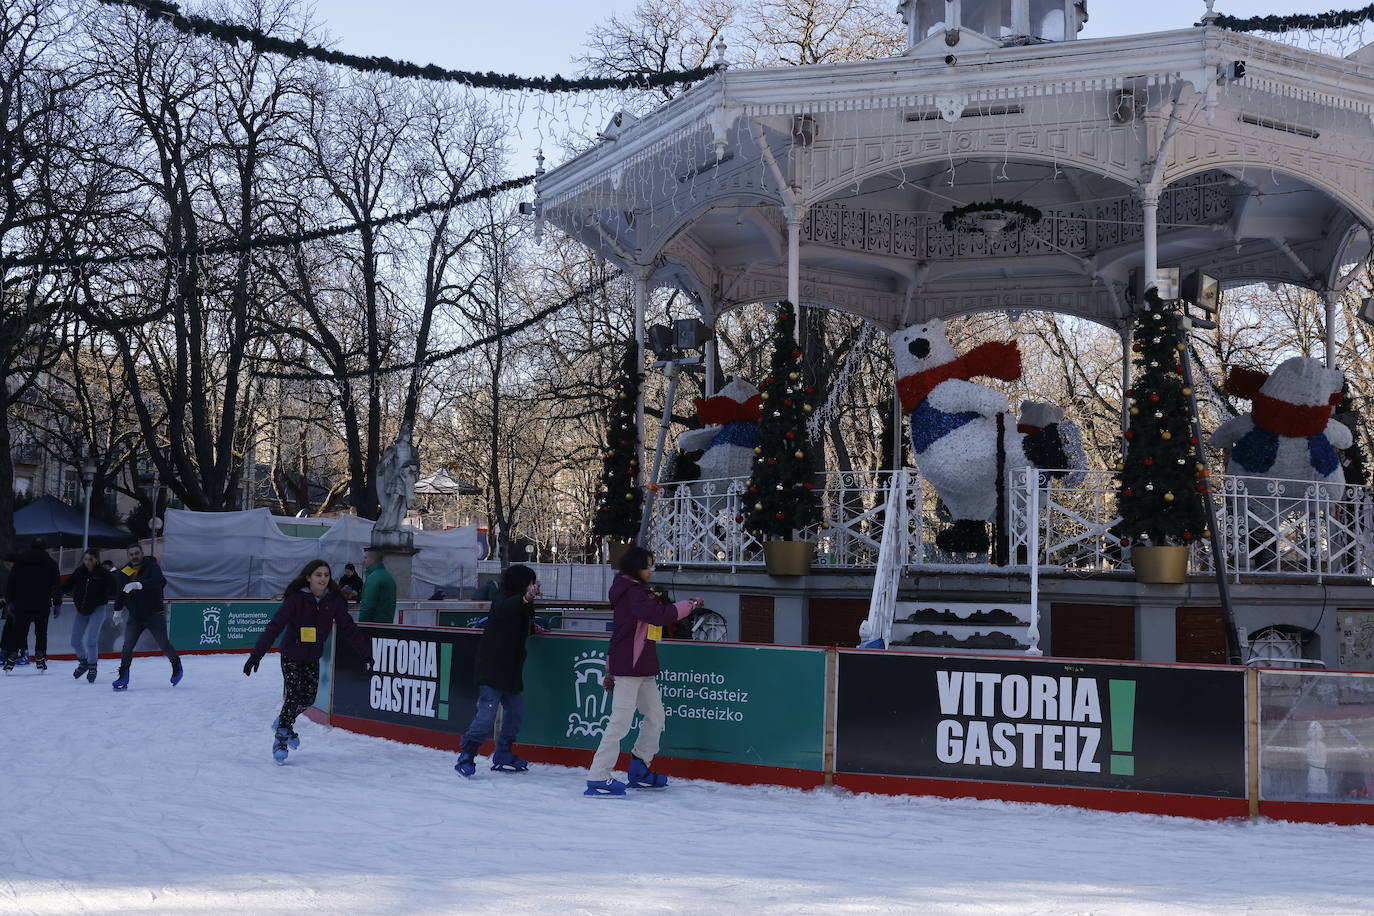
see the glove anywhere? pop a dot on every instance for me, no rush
(370, 664)
(252, 664)
(117, 618)
(132, 587)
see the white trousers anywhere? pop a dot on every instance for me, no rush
(630, 693)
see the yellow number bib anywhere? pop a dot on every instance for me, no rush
(307, 634)
(655, 633)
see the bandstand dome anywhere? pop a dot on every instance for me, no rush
(1198, 148)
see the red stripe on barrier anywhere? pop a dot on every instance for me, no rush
(1198, 806)
(746, 774)
(1318, 812)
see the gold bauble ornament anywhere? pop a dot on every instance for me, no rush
(1180, 347)
(1166, 435)
(1187, 392)
(763, 396)
(806, 408)
(1168, 497)
(1135, 411)
(758, 507)
(799, 454)
(792, 376)
(758, 450)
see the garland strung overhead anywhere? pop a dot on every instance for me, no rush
(442, 355)
(1331, 19)
(266, 240)
(230, 33)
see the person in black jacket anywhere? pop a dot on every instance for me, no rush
(91, 588)
(139, 587)
(500, 666)
(33, 588)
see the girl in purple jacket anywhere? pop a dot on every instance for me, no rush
(632, 676)
(312, 606)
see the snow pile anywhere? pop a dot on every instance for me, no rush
(165, 800)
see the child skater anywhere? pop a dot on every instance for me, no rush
(632, 668)
(500, 663)
(313, 604)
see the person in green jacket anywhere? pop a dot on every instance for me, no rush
(378, 604)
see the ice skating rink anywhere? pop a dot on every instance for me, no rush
(166, 800)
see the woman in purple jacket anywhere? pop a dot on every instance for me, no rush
(312, 606)
(632, 669)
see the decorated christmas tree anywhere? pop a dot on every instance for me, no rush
(780, 499)
(1162, 479)
(620, 504)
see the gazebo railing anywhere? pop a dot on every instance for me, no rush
(695, 523)
(1268, 527)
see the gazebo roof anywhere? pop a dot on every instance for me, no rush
(1265, 172)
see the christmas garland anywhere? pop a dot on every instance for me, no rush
(442, 355)
(267, 240)
(232, 34)
(1020, 215)
(1331, 19)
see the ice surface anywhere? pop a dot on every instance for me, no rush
(164, 800)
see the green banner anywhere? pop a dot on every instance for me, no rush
(218, 624)
(760, 705)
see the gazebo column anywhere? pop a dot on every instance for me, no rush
(710, 354)
(794, 216)
(1149, 201)
(641, 281)
(1332, 299)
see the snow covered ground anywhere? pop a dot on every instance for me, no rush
(163, 800)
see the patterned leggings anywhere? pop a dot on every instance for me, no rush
(299, 681)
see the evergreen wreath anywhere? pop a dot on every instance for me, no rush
(1331, 19)
(967, 218)
(620, 503)
(232, 34)
(780, 499)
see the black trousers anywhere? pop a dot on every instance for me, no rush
(16, 636)
(157, 625)
(299, 681)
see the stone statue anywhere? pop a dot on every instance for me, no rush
(396, 476)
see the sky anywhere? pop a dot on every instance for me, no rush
(541, 37)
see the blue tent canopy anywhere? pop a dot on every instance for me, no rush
(48, 517)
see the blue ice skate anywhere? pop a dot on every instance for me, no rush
(177, 674)
(605, 788)
(503, 761)
(641, 777)
(122, 682)
(293, 740)
(279, 750)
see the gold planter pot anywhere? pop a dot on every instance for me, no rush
(788, 558)
(1161, 565)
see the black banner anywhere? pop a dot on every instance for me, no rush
(1054, 722)
(422, 678)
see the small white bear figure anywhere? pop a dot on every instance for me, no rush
(1289, 433)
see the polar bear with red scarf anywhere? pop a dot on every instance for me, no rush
(723, 449)
(954, 427)
(1289, 433)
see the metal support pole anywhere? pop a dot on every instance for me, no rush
(86, 522)
(1033, 557)
(1332, 300)
(1218, 554)
(711, 381)
(673, 371)
(641, 279)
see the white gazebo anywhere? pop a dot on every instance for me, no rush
(1198, 149)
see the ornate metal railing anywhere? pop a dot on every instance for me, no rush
(1268, 527)
(695, 523)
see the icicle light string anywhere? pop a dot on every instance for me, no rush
(296, 49)
(266, 240)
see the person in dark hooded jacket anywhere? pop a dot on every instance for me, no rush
(91, 588)
(500, 673)
(34, 587)
(138, 588)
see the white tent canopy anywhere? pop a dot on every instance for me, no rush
(246, 554)
(442, 483)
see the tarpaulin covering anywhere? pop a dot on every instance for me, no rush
(246, 554)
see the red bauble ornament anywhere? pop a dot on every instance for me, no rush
(809, 390)
(769, 380)
(1125, 542)
(1154, 399)
(1130, 392)
(780, 516)
(786, 402)
(1128, 492)
(1187, 535)
(796, 354)
(809, 486)
(1149, 462)
(1178, 367)
(772, 461)
(790, 435)
(782, 316)
(1129, 434)
(753, 489)
(1135, 348)
(739, 518)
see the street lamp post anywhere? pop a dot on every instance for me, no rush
(87, 480)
